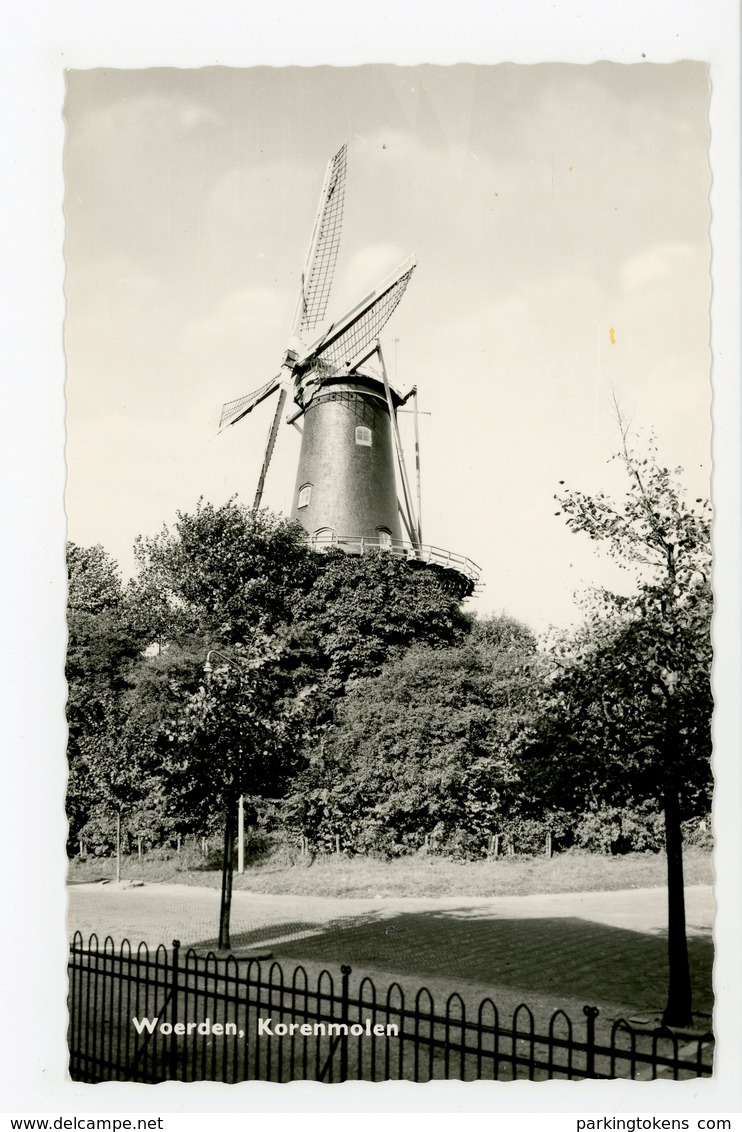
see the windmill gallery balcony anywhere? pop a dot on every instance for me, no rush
(455, 570)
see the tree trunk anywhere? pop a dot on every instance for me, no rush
(225, 909)
(679, 1008)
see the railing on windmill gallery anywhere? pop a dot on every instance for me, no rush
(420, 555)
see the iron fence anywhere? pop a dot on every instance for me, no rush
(148, 1017)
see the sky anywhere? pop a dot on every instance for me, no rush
(559, 215)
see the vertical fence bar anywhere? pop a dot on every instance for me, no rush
(518, 1036)
(131, 1067)
(367, 986)
(457, 1023)
(74, 1011)
(276, 1003)
(173, 1066)
(213, 1012)
(706, 1040)
(591, 1013)
(487, 1006)
(554, 1067)
(463, 1040)
(294, 1013)
(117, 987)
(621, 1026)
(107, 1001)
(254, 975)
(419, 1040)
(124, 1010)
(323, 1064)
(91, 1019)
(678, 1063)
(190, 1011)
(232, 1049)
(344, 1018)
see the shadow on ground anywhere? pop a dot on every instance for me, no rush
(559, 958)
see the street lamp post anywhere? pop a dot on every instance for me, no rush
(241, 834)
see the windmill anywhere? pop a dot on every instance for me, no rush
(345, 492)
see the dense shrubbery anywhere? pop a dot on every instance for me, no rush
(616, 829)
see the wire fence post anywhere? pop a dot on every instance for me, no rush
(174, 1010)
(344, 1016)
(591, 1013)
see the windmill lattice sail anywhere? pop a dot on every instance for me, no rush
(345, 343)
(324, 246)
(234, 411)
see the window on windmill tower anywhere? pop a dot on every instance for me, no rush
(364, 436)
(385, 538)
(325, 536)
(305, 494)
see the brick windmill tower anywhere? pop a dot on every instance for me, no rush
(351, 461)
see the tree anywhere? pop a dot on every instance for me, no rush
(222, 573)
(227, 584)
(632, 688)
(103, 649)
(425, 746)
(361, 611)
(239, 733)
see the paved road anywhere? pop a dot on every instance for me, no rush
(606, 948)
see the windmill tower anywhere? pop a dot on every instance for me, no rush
(346, 486)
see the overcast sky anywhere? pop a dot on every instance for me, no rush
(559, 215)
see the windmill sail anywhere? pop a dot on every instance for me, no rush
(234, 411)
(342, 344)
(316, 279)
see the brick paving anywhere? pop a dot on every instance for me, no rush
(556, 950)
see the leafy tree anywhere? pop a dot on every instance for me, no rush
(426, 746)
(238, 733)
(361, 611)
(94, 583)
(630, 700)
(103, 648)
(226, 583)
(222, 573)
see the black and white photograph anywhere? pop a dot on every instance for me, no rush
(391, 742)
(389, 572)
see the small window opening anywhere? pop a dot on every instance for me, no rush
(364, 436)
(385, 538)
(325, 536)
(305, 494)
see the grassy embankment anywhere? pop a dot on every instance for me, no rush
(411, 876)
